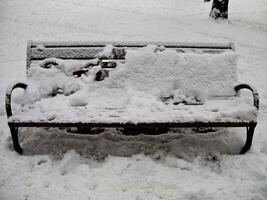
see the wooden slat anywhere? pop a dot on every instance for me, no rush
(132, 125)
(200, 45)
(109, 64)
(91, 53)
(65, 53)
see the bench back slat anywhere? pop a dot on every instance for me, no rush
(89, 50)
(133, 44)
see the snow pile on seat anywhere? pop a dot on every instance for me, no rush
(52, 75)
(135, 89)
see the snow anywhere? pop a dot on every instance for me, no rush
(175, 166)
(106, 52)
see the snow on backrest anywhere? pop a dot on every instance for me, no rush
(215, 74)
(154, 69)
(156, 72)
(37, 51)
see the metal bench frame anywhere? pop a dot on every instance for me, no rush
(207, 47)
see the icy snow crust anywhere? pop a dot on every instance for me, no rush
(134, 90)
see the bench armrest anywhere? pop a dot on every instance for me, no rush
(253, 90)
(9, 93)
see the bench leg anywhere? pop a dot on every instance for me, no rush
(250, 132)
(15, 139)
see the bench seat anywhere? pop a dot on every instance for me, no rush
(58, 110)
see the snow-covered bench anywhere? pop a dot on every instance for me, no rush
(132, 86)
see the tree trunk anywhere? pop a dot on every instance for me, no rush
(219, 9)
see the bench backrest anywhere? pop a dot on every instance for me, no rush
(37, 51)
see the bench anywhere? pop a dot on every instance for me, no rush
(58, 74)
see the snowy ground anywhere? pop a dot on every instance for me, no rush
(179, 166)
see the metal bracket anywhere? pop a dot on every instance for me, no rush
(13, 129)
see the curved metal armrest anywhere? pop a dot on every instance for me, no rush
(253, 90)
(8, 96)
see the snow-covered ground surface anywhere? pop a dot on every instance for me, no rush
(176, 166)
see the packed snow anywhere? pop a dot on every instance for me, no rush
(184, 164)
